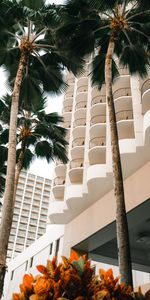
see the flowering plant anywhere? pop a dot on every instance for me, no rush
(73, 279)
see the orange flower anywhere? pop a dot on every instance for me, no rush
(43, 285)
(27, 286)
(16, 297)
(42, 269)
(73, 256)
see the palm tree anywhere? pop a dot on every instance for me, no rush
(108, 27)
(39, 134)
(28, 50)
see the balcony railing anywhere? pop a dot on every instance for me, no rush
(98, 141)
(70, 80)
(78, 142)
(59, 181)
(81, 104)
(79, 122)
(99, 99)
(66, 125)
(123, 71)
(122, 92)
(98, 119)
(124, 115)
(145, 86)
(69, 95)
(76, 163)
(67, 108)
(81, 89)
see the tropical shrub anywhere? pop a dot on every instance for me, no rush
(74, 279)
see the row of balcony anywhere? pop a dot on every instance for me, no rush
(99, 96)
(101, 118)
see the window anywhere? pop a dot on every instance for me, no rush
(57, 247)
(31, 262)
(26, 265)
(12, 275)
(51, 248)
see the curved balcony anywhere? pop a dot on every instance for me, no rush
(71, 81)
(59, 180)
(98, 119)
(76, 170)
(145, 95)
(67, 124)
(60, 169)
(81, 97)
(68, 94)
(124, 115)
(67, 108)
(98, 99)
(79, 122)
(58, 187)
(77, 151)
(81, 89)
(123, 71)
(125, 124)
(78, 142)
(76, 163)
(122, 92)
(97, 130)
(82, 81)
(96, 93)
(97, 141)
(68, 102)
(77, 132)
(81, 104)
(97, 151)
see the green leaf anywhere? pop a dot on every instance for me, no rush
(4, 136)
(44, 149)
(132, 56)
(79, 265)
(27, 159)
(35, 5)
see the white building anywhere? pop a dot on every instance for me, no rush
(82, 196)
(30, 212)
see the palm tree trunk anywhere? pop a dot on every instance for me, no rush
(8, 205)
(18, 169)
(124, 257)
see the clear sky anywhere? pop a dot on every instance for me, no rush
(40, 167)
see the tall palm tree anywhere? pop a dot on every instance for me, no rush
(108, 27)
(28, 50)
(38, 134)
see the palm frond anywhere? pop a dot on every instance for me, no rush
(98, 70)
(132, 56)
(35, 5)
(44, 149)
(60, 152)
(27, 159)
(4, 137)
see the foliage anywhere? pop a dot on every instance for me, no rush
(39, 134)
(73, 279)
(90, 30)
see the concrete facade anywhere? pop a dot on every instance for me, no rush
(82, 198)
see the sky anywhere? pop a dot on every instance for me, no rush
(40, 167)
